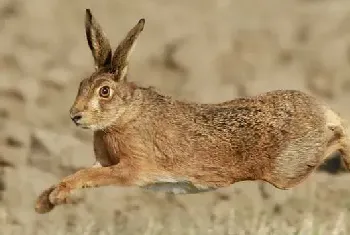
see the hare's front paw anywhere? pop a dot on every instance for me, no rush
(43, 204)
(60, 194)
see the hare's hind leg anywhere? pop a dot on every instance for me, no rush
(304, 155)
(297, 161)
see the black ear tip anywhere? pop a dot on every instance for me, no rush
(88, 12)
(142, 21)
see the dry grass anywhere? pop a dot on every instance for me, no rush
(308, 209)
(258, 225)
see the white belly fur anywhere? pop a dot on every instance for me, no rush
(177, 187)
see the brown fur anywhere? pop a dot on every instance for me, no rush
(147, 139)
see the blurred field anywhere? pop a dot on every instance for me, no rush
(200, 50)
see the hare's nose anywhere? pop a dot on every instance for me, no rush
(75, 118)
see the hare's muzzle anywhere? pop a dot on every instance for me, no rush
(76, 117)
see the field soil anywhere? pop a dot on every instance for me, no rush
(198, 50)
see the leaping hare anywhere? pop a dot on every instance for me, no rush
(146, 139)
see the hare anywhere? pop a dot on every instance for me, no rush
(146, 139)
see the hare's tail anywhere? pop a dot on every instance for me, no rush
(340, 139)
(345, 144)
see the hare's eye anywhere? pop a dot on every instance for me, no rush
(105, 91)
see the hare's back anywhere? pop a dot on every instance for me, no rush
(267, 123)
(290, 114)
(278, 111)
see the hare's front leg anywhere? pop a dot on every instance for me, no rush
(119, 175)
(103, 172)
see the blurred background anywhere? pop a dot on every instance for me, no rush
(198, 50)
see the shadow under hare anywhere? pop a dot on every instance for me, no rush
(147, 139)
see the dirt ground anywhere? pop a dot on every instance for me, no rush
(199, 50)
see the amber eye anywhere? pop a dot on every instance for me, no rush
(104, 91)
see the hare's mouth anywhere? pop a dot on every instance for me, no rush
(80, 123)
(87, 126)
(85, 122)
(83, 125)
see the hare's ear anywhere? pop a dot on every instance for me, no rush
(98, 42)
(122, 53)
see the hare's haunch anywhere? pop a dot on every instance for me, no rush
(153, 141)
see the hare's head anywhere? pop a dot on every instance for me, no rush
(105, 95)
